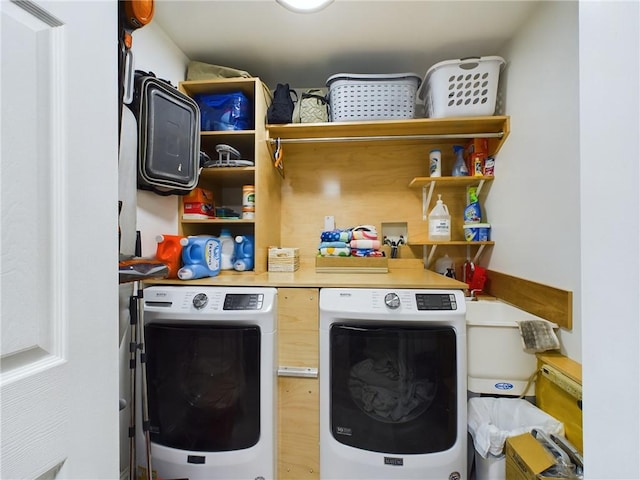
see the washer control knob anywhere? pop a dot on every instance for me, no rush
(200, 301)
(392, 300)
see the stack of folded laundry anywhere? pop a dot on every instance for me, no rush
(360, 241)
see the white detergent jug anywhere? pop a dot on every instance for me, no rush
(440, 222)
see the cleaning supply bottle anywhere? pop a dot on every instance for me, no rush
(169, 251)
(435, 162)
(200, 257)
(472, 212)
(227, 247)
(459, 167)
(440, 222)
(244, 253)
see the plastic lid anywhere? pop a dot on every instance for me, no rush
(477, 225)
(457, 148)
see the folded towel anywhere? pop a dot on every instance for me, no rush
(333, 245)
(373, 244)
(336, 236)
(364, 235)
(366, 252)
(334, 252)
(362, 232)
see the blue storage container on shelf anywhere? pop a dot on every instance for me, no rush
(224, 111)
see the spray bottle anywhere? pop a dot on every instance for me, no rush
(200, 257)
(459, 167)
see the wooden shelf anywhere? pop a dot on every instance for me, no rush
(451, 243)
(419, 130)
(449, 181)
(206, 221)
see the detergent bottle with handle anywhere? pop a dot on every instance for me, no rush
(227, 246)
(243, 256)
(440, 222)
(201, 257)
(169, 251)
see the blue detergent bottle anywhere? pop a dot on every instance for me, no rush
(201, 257)
(243, 256)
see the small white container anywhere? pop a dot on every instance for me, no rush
(435, 163)
(477, 232)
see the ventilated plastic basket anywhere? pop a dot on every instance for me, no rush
(461, 88)
(359, 97)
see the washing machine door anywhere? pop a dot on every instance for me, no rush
(204, 386)
(393, 389)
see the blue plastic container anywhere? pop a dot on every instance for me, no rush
(225, 111)
(477, 232)
(243, 255)
(201, 257)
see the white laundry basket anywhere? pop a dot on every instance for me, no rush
(360, 97)
(461, 88)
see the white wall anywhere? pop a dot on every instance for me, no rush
(534, 204)
(154, 51)
(609, 143)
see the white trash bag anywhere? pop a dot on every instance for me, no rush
(492, 420)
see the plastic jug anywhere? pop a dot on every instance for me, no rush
(244, 253)
(446, 267)
(227, 247)
(169, 252)
(200, 257)
(440, 222)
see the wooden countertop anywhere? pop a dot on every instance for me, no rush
(400, 275)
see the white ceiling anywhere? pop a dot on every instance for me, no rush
(349, 36)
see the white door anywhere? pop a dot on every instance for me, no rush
(59, 281)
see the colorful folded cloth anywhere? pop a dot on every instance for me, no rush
(366, 252)
(334, 245)
(372, 244)
(334, 252)
(364, 235)
(364, 232)
(336, 236)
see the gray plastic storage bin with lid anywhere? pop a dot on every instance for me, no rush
(492, 420)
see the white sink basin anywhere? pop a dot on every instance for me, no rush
(496, 361)
(495, 312)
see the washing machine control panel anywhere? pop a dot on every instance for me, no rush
(436, 301)
(243, 301)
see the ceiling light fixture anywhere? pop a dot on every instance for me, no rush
(304, 6)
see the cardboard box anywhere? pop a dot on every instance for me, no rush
(527, 459)
(198, 204)
(476, 147)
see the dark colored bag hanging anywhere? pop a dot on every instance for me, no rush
(281, 108)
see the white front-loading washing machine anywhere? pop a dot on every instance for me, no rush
(211, 382)
(393, 382)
